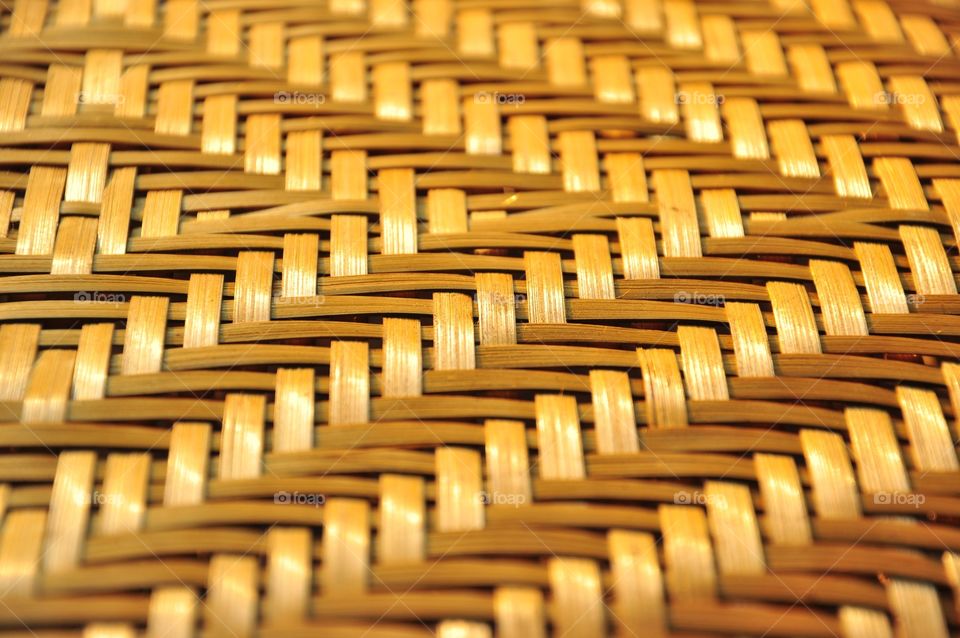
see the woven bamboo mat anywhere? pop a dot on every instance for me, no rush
(478, 318)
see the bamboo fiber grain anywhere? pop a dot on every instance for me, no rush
(467, 318)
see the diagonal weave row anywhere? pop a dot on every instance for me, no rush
(465, 318)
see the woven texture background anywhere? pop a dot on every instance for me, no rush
(478, 318)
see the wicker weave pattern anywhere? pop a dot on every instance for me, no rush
(470, 318)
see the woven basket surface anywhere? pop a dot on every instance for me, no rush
(474, 318)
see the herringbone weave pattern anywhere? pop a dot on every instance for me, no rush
(472, 318)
